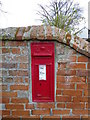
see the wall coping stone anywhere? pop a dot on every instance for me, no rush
(42, 32)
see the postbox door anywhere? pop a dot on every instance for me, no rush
(43, 73)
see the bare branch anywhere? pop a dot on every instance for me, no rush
(63, 14)
(1, 9)
(68, 7)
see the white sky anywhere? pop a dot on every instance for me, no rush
(20, 12)
(23, 12)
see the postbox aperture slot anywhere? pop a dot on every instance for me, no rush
(42, 55)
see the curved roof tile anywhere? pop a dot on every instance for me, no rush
(46, 33)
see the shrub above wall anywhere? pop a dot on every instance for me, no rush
(71, 74)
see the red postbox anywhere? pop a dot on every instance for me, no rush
(42, 69)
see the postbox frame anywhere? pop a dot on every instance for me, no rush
(46, 55)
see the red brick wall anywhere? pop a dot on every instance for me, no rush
(71, 99)
(72, 82)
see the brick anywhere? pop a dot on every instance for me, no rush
(82, 73)
(15, 50)
(6, 50)
(88, 105)
(80, 112)
(63, 99)
(13, 73)
(66, 72)
(9, 94)
(21, 59)
(23, 66)
(19, 100)
(72, 92)
(49, 33)
(4, 87)
(19, 33)
(4, 73)
(88, 79)
(82, 86)
(22, 73)
(29, 106)
(60, 49)
(60, 105)
(75, 105)
(3, 58)
(61, 112)
(82, 59)
(23, 94)
(75, 79)
(85, 117)
(18, 73)
(16, 43)
(3, 43)
(88, 99)
(1, 78)
(62, 34)
(61, 66)
(75, 46)
(73, 58)
(26, 80)
(89, 112)
(58, 92)
(33, 33)
(88, 85)
(14, 79)
(76, 66)
(21, 113)
(56, 33)
(51, 117)
(19, 87)
(1, 94)
(24, 51)
(0, 100)
(9, 117)
(5, 100)
(65, 86)
(80, 99)
(88, 65)
(60, 78)
(9, 65)
(5, 112)
(9, 58)
(0, 65)
(40, 32)
(67, 117)
(86, 92)
(14, 106)
(33, 117)
(40, 112)
(18, 79)
(45, 105)
(58, 65)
